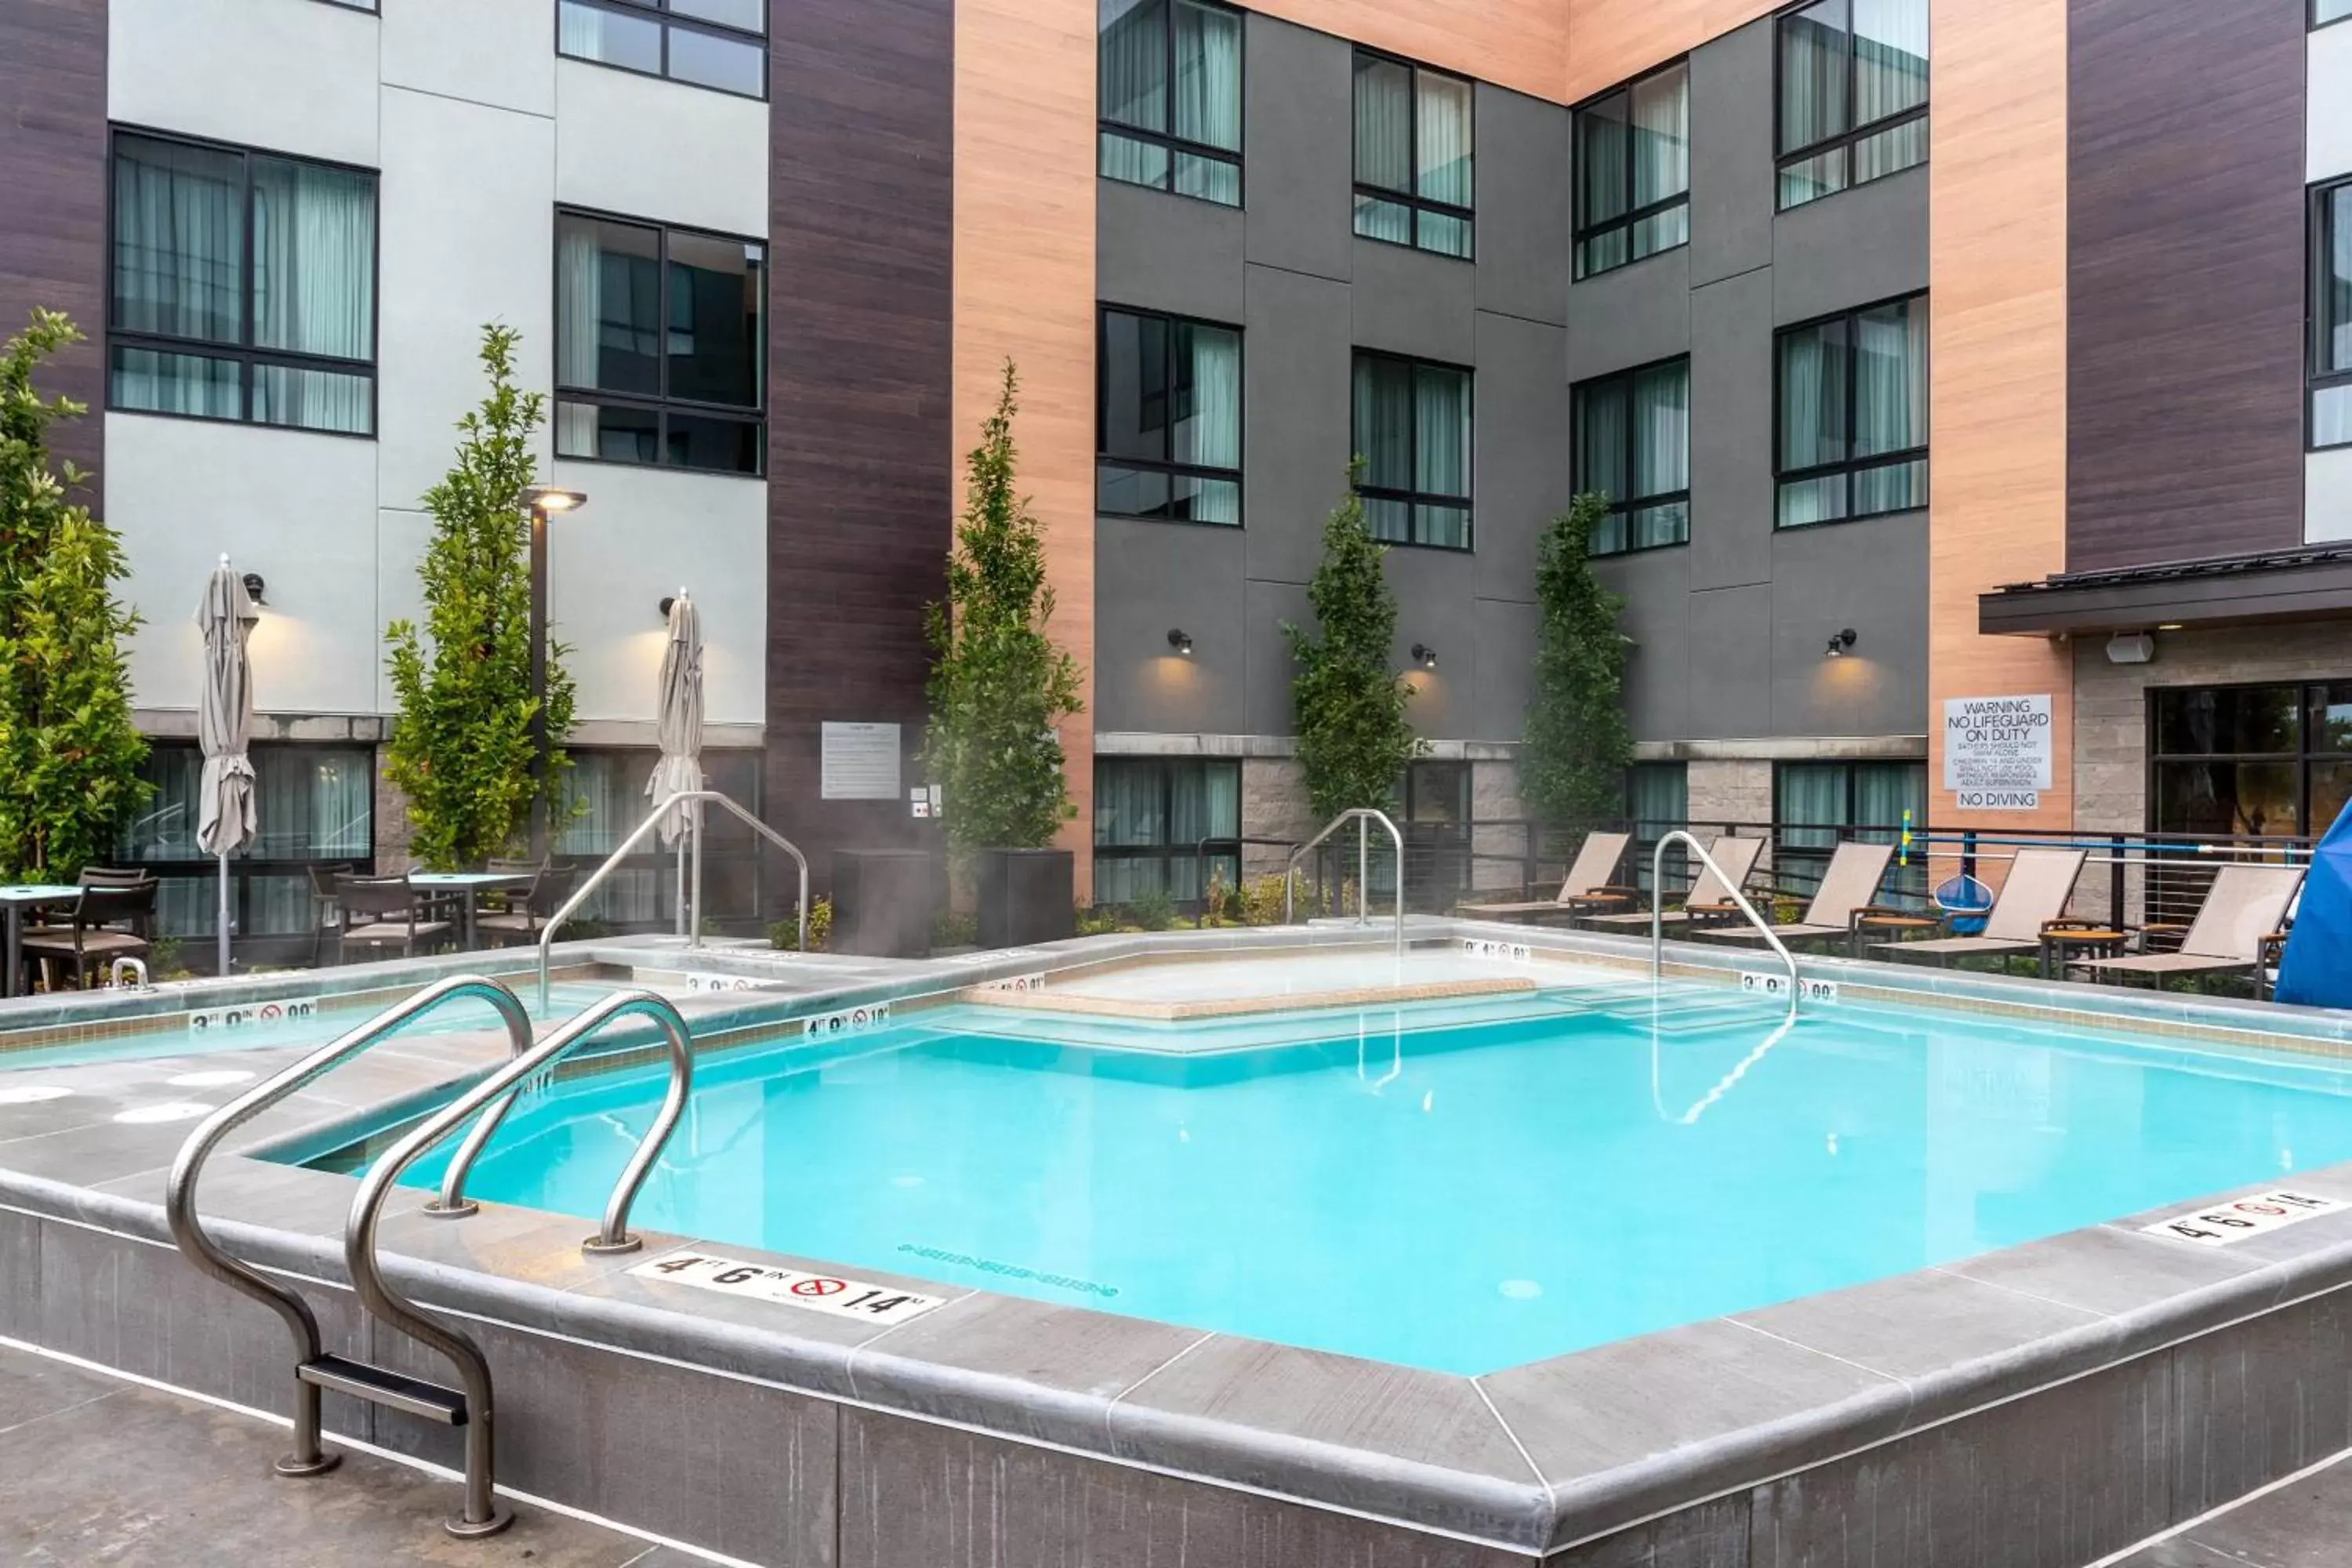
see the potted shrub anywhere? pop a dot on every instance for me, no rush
(999, 690)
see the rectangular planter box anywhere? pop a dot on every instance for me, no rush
(1027, 896)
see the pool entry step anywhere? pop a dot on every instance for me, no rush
(468, 1407)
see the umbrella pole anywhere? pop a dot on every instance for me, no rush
(222, 917)
(681, 884)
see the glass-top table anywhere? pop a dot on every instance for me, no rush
(15, 898)
(470, 885)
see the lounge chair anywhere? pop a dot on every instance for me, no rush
(2242, 912)
(2039, 882)
(1849, 883)
(1708, 898)
(1586, 887)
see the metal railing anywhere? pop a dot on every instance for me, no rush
(481, 1511)
(180, 1193)
(1363, 816)
(696, 798)
(1658, 911)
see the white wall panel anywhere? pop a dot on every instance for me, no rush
(496, 52)
(292, 75)
(2330, 144)
(2327, 496)
(644, 147)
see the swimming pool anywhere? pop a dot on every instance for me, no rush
(1461, 1198)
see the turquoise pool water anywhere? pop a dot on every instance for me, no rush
(1463, 1199)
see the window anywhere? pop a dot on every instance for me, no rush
(1632, 172)
(1413, 431)
(1413, 155)
(1150, 815)
(1633, 445)
(315, 806)
(244, 287)
(1171, 97)
(1169, 419)
(1818, 806)
(720, 44)
(603, 800)
(1657, 802)
(1853, 94)
(2326, 11)
(2331, 315)
(1851, 414)
(2261, 761)
(660, 345)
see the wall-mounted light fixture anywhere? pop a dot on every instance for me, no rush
(1424, 655)
(1181, 641)
(666, 600)
(1840, 643)
(253, 587)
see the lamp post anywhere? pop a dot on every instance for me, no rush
(544, 501)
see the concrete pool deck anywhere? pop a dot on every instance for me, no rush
(2045, 1404)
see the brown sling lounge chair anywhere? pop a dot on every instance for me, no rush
(1586, 886)
(2039, 882)
(2242, 910)
(1708, 898)
(1849, 883)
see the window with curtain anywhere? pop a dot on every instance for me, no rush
(244, 287)
(603, 800)
(1413, 155)
(2331, 315)
(1632, 172)
(1852, 414)
(1168, 418)
(1170, 77)
(1411, 428)
(1852, 94)
(1657, 802)
(1633, 445)
(719, 44)
(2326, 11)
(1150, 815)
(660, 345)
(1819, 805)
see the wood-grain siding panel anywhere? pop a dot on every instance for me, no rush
(862, 132)
(1997, 374)
(1610, 40)
(53, 195)
(2186, 276)
(1517, 44)
(1025, 290)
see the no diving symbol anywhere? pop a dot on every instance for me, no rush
(820, 1287)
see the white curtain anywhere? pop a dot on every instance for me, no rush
(313, 292)
(1662, 136)
(1813, 64)
(1812, 421)
(579, 314)
(1662, 430)
(1383, 422)
(1384, 125)
(1890, 371)
(1444, 139)
(1207, 76)
(1890, 58)
(1441, 453)
(179, 270)
(1209, 430)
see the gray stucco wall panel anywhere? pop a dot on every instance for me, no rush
(1168, 253)
(1504, 674)
(1656, 589)
(1436, 593)
(1294, 417)
(1731, 432)
(1410, 301)
(1522, 457)
(1523, 217)
(1151, 578)
(1730, 667)
(1266, 677)
(1873, 577)
(1298, 126)
(1731, 154)
(1860, 246)
(1631, 316)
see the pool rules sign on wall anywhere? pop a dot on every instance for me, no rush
(1997, 752)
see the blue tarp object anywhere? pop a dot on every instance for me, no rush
(2317, 969)
(1965, 902)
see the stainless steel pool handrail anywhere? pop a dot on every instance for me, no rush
(180, 1192)
(1363, 816)
(1657, 913)
(695, 797)
(482, 1513)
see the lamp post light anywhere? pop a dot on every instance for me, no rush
(544, 501)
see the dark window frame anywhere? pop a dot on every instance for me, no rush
(1617, 507)
(1581, 233)
(1842, 142)
(663, 404)
(244, 351)
(370, 6)
(1167, 140)
(2300, 757)
(1102, 311)
(1168, 852)
(1849, 467)
(1414, 499)
(661, 14)
(2316, 379)
(1850, 828)
(1412, 200)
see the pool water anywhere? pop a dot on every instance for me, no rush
(1463, 1199)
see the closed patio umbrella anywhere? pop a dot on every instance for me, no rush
(225, 808)
(680, 728)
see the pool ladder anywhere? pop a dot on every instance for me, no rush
(467, 1407)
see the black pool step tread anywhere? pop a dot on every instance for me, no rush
(381, 1386)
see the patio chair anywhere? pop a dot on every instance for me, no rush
(326, 914)
(382, 911)
(1586, 886)
(1848, 885)
(1709, 899)
(2233, 933)
(2040, 883)
(110, 920)
(525, 915)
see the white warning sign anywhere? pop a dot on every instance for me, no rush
(790, 1287)
(1997, 752)
(2241, 1217)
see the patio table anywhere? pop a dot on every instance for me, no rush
(470, 885)
(15, 899)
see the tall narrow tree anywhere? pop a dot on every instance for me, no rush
(1353, 739)
(461, 748)
(70, 754)
(1578, 744)
(999, 686)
